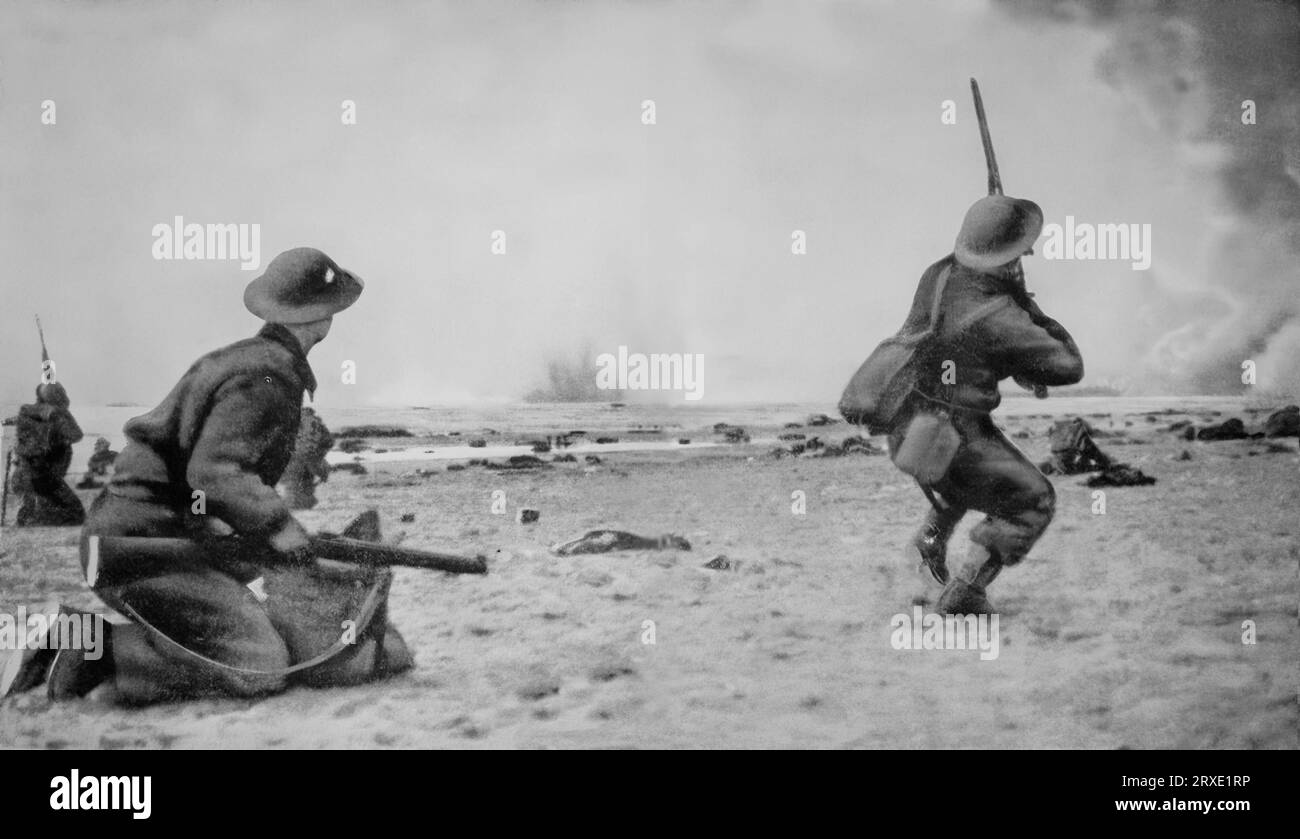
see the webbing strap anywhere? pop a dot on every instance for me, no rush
(363, 619)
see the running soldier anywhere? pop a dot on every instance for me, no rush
(973, 324)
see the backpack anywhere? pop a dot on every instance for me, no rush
(877, 392)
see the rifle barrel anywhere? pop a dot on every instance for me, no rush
(995, 179)
(116, 560)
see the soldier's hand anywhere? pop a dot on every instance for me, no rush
(292, 543)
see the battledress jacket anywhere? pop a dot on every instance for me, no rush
(227, 428)
(990, 330)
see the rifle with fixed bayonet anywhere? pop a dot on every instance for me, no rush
(995, 188)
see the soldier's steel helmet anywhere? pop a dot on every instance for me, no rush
(996, 230)
(300, 286)
(53, 393)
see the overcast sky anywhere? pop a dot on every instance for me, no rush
(526, 117)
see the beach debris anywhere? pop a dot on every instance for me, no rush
(815, 447)
(520, 461)
(527, 515)
(720, 563)
(683, 441)
(564, 458)
(819, 419)
(354, 468)
(732, 433)
(477, 443)
(1283, 423)
(857, 444)
(790, 436)
(793, 425)
(1120, 475)
(1073, 449)
(373, 431)
(605, 541)
(351, 446)
(407, 518)
(455, 467)
(1229, 429)
(604, 440)
(591, 458)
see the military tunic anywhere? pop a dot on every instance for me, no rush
(990, 330)
(214, 449)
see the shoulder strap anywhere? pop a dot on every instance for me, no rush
(935, 305)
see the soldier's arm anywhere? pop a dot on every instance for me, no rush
(1032, 347)
(243, 424)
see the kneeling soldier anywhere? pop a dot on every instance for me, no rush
(206, 462)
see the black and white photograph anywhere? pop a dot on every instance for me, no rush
(650, 374)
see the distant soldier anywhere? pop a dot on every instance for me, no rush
(973, 324)
(46, 431)
(205, 462)
(97, 466)
(1073, 449)
(307, 465)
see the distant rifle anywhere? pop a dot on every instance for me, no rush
(116, 560)
(46, 364)
(4, 493)
(995, 188)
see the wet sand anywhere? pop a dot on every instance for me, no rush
(1121, 630)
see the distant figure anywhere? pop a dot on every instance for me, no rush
(308, 464)
(1073, 450)
(45, 434)
(97, 466)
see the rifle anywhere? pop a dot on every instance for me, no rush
(4, 493)
(116, 560)
(995, 188)
(46, 364)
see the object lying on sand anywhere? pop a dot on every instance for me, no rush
(814, 447)
(520, 461)
(604, 541)
(373, 431)
(1230, 429)
(1073, 449)
(1283, 423)
(1120, 475)
(732, 433)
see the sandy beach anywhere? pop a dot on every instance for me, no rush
(1122, 630)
